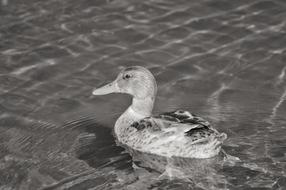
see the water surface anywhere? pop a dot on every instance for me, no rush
(223, 60)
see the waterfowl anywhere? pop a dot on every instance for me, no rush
(172, 134)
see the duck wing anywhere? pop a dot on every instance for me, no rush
(198, 129)
(184, 117)
(179, 123)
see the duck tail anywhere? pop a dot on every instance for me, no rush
(221, 137)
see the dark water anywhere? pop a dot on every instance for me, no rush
(224, 60)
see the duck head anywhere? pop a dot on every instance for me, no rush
(136, 81)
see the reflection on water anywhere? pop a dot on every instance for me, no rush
(224, 60)
(192, 172)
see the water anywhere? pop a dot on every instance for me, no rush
(224, 60)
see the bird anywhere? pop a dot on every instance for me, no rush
(177, 133)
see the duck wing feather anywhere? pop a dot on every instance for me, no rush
(195, 128)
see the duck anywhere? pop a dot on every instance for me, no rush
(177, 133)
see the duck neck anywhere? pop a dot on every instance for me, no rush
(142, 107)
(139, 109)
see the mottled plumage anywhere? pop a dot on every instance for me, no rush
(196, 128)
(178, 116)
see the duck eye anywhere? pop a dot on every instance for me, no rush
(127, 76)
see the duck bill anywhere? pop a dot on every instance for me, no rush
(106, 89)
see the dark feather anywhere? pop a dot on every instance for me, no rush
(184, 117)
(145, 123)
(200, 132)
